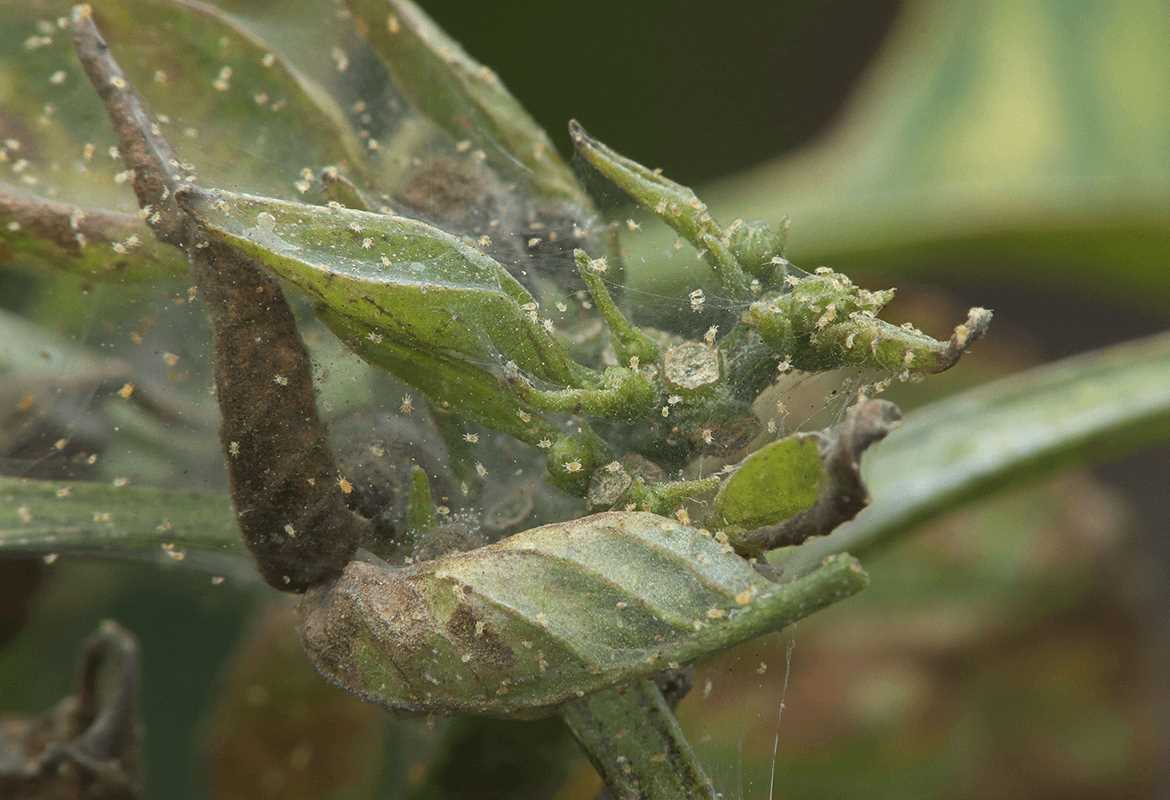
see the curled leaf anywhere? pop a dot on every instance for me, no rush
(825, 322)
(413, 283)
(518, 627)
(778, 481)
(804, 485)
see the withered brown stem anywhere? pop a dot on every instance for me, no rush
(284, 479)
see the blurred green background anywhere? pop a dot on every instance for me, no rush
(1008, 154)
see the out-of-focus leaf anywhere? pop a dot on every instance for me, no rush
(515, 628)
(227, 101)
(1080, 409)
(278, 730)
(99, 244)
(41, 518)
(1019, 136)
(240, 96)
(29, 349)
(464, 97)
(54, 137)
(89, 744)
(61, 406)
(776, 482)
(413, 283)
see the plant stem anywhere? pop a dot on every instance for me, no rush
(285, 484)
(635, 742)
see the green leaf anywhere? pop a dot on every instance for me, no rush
(673, 203)
(824, 322)
(227, 100)
(1085, 408)
(187, 529)
(776, 482)
(627, 339)
(515, 628)
(239, 94)
(462, 96)
(413, 283)
(98, 244)
(420, 505)
(450, 384)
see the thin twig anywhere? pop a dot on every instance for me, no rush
(284, 480)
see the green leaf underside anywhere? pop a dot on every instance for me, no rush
(140, 523)
(462, 96)
(566, 608)
(774, 483)
(451, 385)
(1085, 408)
(434, 294)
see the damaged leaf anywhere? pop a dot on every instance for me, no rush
(88, 745)
(520, 626)
(804, 498)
